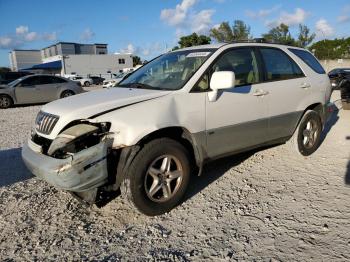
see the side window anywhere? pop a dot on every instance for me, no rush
(45, 80)
(241, 61)
(57, 80)
(279, 66)
(31, 81)
(308, 59)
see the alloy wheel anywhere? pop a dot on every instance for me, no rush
(310, 133)
(163, 178)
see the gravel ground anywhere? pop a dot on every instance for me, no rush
(267, 205)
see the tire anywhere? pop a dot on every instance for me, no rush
(307, 136)
(151, 189)
(87, 83)
(5, 101)
(67, 93)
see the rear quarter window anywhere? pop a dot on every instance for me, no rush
(308, 59)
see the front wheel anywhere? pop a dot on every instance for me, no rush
(307, 136)
(87, 83)
(158, 177)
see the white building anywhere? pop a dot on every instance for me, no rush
(67, 58)
(20, 59)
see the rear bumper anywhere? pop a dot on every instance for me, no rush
(82, 171)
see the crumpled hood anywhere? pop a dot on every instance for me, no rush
(93, 103)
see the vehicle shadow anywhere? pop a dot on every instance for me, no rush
(332, 120)
(214, 170)
(12, 168)
(347, 174)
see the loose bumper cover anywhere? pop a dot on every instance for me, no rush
(79, 172)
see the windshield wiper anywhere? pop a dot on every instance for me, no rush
(139, 85)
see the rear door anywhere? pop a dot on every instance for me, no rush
(238, 118)
(287, 87)
(49, 86)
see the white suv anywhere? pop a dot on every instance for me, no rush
(182, 109)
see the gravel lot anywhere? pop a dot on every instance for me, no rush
(267, 205)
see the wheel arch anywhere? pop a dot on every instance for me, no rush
(65, 90)
(9, 96)
(183, 136)
(318, 107)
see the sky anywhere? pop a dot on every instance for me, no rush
(148, 28)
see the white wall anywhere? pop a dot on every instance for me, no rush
(328, 65)
(20, 59)
(95, 64)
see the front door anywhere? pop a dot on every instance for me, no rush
(27, 90)
(238, 119)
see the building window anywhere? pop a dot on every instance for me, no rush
(101, 53)
(121, 61)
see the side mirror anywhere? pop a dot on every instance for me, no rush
(220, 80)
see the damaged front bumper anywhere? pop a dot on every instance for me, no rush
(82, 171)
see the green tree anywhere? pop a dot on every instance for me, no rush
(226, 34)
(280, 34)
(331, 49)
(305, 37)
(193, 40)
(4, 69)
(136, 60)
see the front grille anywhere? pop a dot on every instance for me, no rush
(45, 122)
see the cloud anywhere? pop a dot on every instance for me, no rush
(87, 35)
(185, 19)
(202, 21)
(21, 30)
(50, 36)
(290, 19)
(323, 28)
(344, 17)
(5, 42)
(144, 51)
(177, 15)
(263, 13)
(31, 36)
(22, 36)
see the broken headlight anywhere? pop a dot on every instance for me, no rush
(77, 138)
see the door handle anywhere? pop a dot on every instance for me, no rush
(305, 85)
(260, 92)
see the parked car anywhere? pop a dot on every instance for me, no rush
(84, 81)
(37, 89)
(96, 80)
(344, 86)
(177, 112)
(336, 75)
(115, 80)
(7, 77)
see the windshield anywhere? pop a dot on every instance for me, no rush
(15, 82)
(169, 71)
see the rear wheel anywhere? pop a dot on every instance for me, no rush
(87, 83)
(67, 93)
(5, 101)
(158, 177)
(307, 136)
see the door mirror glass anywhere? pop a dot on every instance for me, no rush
(222, 80)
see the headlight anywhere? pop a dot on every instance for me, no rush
(77, 138)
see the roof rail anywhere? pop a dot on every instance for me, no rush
(258, 40)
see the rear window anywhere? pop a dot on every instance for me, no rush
(309, 59)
